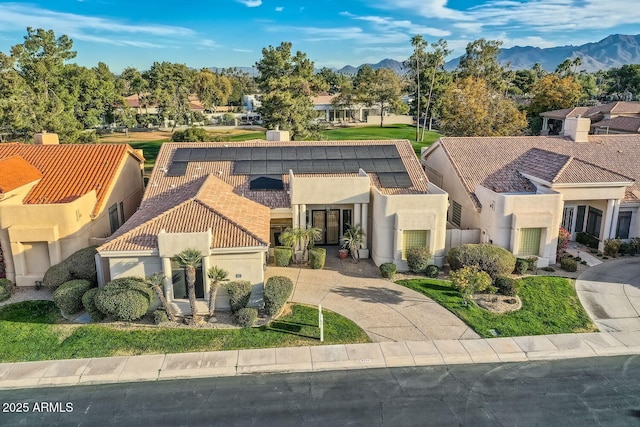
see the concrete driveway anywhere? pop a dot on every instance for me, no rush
(610, 293)
(386, 311)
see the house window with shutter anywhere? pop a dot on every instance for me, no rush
(456, 213)
(413, 239)
(529, 241)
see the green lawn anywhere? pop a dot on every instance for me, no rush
(549, 306)
(30, 331)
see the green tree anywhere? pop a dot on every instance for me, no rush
(190, 259)
(481, 61)
(469, 280)
(170, 85)
(552, 92)
(623, 80)
(415, 63)
(212, 89)
(217, 276)
(471, 108)
(381, 88)
(156, 282)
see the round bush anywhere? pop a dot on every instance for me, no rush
(160, 316)
(507, 286)
(89, 304)
(569, 264)
(56, 275)
(491, 259)
(282, 255)
(246, 317)
(432, 271)
(68, 296)
(79, 265)
(239, 294)
(125, 299)
(6, 288)
(418, 258)
(277, 292)
(521, 266)
(317, 257)
(388, 269)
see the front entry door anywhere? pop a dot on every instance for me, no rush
(569, 220)
(329, 223)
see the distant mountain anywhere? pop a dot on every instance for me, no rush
(611, 52)
(392, 64)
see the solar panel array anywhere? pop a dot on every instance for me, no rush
(273, 161)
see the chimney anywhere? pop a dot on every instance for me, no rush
(45, 138)
(577, 128)
(278, 135)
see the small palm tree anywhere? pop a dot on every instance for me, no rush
(190, 259)
(310, 235)
(352, 239)
(217, 275)
(300, 237)
(156, 281)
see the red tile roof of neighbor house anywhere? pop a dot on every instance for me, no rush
(16, 172)
(620, 123)
(597, 112)
(498, 162)
(70, 171)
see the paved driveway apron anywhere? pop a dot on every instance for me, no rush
(386, 311)
(610, 293)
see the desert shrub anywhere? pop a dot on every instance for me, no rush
(432, 271)
(635, 242)
(160, 316)
(277, 292)
(418, 258)
(192, 134)
(125, 298)
(549, 269)
(68, 296)
(563, 240)
(239, 294)
(282, 255)
(388, 269)
(507, 286)
(89, 304)
(79, 265)
(568, 264)
(491, 259)
(521, 266)
(533, 263)
(470, 280)
(6, 288)
(627, 248)
(587, 240)
(246, 317)
(612, 246)
(317, 257)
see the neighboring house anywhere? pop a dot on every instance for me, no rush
(519, 190)
(56, 199)
(615, 117)
(232, 200)
(329, 113)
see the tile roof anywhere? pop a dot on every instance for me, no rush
(496, 162)
(70, 171)
(565, 113)
(620, 123)
(16, 172)
(597, 112)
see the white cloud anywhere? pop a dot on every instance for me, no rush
(279, 9)
(396, 25)
(318, 34)
(426, 8)
(250, 3)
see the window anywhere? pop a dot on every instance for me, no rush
(413, 239)
(121, 208)
(594, 220)
(113, 218)
(529, 241)
(456, 213)
(179, 280)
(346, 220)
(624, 223)
(580, 219)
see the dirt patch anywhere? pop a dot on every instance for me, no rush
(498, 303)
(135, 136)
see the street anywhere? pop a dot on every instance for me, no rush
(585, 392)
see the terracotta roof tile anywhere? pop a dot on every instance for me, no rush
(620, 123)
(16, 172)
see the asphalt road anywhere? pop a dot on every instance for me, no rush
(598, 391)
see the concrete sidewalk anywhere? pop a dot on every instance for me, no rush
(319, 358)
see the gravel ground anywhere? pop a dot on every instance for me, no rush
(27, 294)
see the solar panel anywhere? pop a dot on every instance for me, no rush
(289, 153)
(402, 180)
(381, 165)
(303, 153)
(387, 180)
(182, 155)
(213, 155)
(377, 152)
(333, 153)
(320, 166)
(274, 153)
(258, 167)
(259, 153)
(396, 165)
(335, 166)
(304, 166)
(243, 153)
(362, 152)
(177, 169)
(351, 166)
(274, 167)
(318, 153)
(391, 151)
(289, 164)
(366, 165)
(198, 154)
(394, 180)
(266, 183)
(228, 153)
(242, 168)
(348, 153)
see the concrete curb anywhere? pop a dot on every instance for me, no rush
(155, 367)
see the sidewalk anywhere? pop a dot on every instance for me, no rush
(319, 358)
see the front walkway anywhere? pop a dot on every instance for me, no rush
(386, 311)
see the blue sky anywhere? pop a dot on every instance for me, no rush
(223, 33)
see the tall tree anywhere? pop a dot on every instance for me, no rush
(156, 282)
(381, 88)
(190, 259)
(416, 60)
(170, 85)
(212, 89)
(552, 92)
(436, 61)
(481, 61)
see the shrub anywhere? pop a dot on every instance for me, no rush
(277, 292)
(587, 240)
(533, 263)
(246, 317)
(418, 258)
(317, 257)
(635, 242)
(125, 298)
(548, 269)
(563, 240)
(239, 294)
(56, 275)
(192, 134)
(388, 269)
(612, 246)
(79, 265)
(68, 296)
(432, 271)
(568, 264)
(6, 289)
(160, 316)
(507, 286)
(469, 280)
(491, 259)
(89, 304)
(521, 266)
(283, 255)
(627, 249)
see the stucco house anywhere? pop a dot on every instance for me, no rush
(614, 117)
(232, 200)
(519, 190)
(56, 199)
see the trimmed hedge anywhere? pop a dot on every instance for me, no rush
(277, 292)
(282, 255)
(587, 240)
(569, 264)
(126, 298)
(68, 296)
(418, 258)
(160, 316)
(491, 259)
(239, 294)
(56, 275)
(6, 288)
(432, 271)
(522, 265)
(246, 317)
(317, 257)
(88, 301)
(388, 269)
(507, 286)
(79, 265)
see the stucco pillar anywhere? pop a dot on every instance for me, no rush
(296, 216)
(357, 214)
(206, 264)
(614, 219)
(303, 216)
(606, 229)
(168, 284)
(365, 229)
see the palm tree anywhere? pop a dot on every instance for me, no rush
(301, 238)
(352, 239)
(156, 280)
(190, 259)
(217, 275)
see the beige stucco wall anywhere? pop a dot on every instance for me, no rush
(392, 214)
(329, 190)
